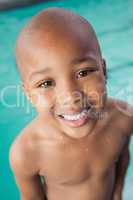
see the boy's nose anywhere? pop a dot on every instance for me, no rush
(70, 95)
(71, 101)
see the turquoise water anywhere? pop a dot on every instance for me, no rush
(112, 21)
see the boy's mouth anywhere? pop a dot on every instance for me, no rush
(78, 119)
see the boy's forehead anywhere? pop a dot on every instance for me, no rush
(44, 42)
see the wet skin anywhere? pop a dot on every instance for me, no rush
(61, 78)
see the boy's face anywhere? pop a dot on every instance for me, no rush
(63, 76)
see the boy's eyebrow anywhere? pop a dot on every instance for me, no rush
(73, 62)
(40, 72)
(82, 59)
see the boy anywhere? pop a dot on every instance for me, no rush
(79, 140)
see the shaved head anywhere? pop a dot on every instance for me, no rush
(58, 53)
(48, 29)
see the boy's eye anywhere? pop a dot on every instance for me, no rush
(45, 84)
(85, 72)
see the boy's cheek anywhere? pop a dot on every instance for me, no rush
(102, 96)
(96, 93)
(97, 100)
(40, 101)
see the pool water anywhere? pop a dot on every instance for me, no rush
(112, 21)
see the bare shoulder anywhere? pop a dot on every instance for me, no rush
(121, 115)
(22, 153)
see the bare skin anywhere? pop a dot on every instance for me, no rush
(77, 161)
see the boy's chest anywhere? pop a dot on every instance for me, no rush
(68, 162)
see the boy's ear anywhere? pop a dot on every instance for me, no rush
(104, 68)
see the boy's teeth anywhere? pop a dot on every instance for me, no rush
(75, 116)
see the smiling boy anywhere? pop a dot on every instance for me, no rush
(79, 140)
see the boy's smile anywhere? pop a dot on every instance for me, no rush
(63, 75)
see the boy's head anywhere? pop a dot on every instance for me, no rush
(60, 63)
